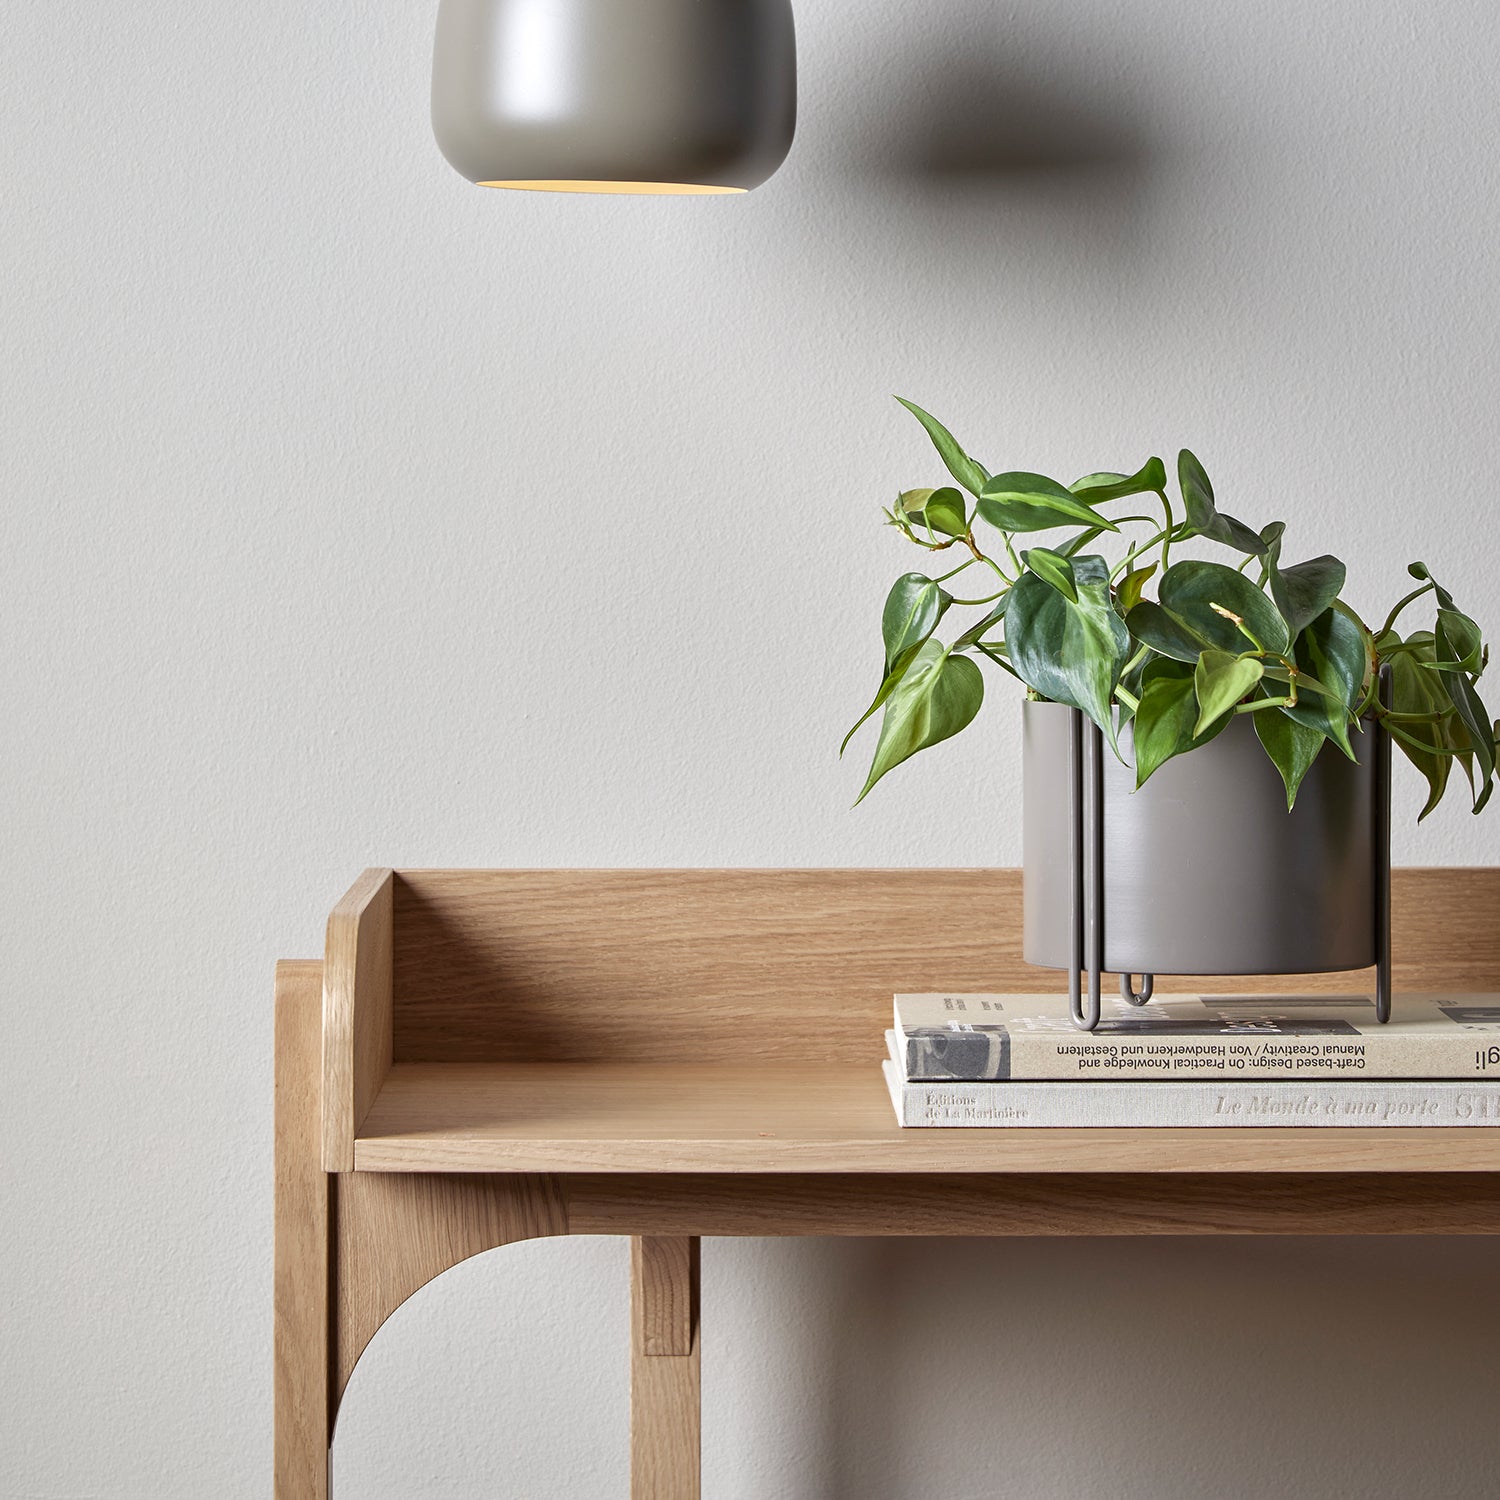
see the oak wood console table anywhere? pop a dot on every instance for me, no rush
(489, 1056)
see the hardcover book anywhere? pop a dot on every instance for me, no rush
(1049, 1104)
(984, 1038)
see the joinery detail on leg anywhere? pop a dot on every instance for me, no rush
(303, 1396)
(664, 1368)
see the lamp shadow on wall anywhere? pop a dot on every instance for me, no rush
(1031, 155)
(983, 129)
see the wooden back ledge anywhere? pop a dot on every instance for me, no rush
(727, 965)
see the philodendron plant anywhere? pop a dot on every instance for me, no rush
(1247, 635)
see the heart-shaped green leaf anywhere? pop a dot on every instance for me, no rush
(1303, 592)
(1163, 724)
(912, 610)
(938, 696)
(1097, 488)
(1152, 626)
(1204, 518)
(965, 470)
(1292, 747)
(1204, 596)
(1128, 594)
(943, 510)
(1220, 680)
(1197, 492)
(1465, 638)
(1333, 649)
(1069, 652)
(1417, 690)
(1470, 711)
(1018, 502)
(1056, 569)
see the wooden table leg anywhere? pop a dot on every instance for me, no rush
(664, 1406)
(303, 1399)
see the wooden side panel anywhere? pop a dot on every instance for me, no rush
(1058, 1204)
(356, 1012)
(665, 1440)
(715, 965)
(303, 1405)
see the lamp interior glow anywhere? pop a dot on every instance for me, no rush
(680, 189)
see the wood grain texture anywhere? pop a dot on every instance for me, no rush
(1115, 1203)
(807, 1117)
(303, 1406)
(393, 1234)
(639, 965)
(356, 1012)
(665, 1438)
(664, 1278)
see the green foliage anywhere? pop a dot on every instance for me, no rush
(1292, 748)
(1221, 680)
(941, 510)
(1221, 609)
(936, 697)
(1031, 502)
(1215, 642)
(1070, 650)
(1165, 722)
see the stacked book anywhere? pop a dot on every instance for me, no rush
(1236, 1060)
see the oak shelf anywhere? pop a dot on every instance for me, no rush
(801, 1117)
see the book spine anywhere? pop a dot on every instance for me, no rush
(1048, 1105)
(1077, 1055)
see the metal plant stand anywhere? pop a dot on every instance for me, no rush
(1086, 871)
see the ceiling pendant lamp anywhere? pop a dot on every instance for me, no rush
(615, 96)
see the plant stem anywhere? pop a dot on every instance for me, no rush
(1401, 604)
(1136, 551)
(1411, 739)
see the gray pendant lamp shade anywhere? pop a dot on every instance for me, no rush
(615, 96)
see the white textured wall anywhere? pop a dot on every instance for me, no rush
(353, 515)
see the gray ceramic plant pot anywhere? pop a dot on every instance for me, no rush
(1205, 871)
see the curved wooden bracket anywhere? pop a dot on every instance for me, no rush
(395, 1232)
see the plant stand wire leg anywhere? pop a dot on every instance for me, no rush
(1086, 868)
(1382, 841)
